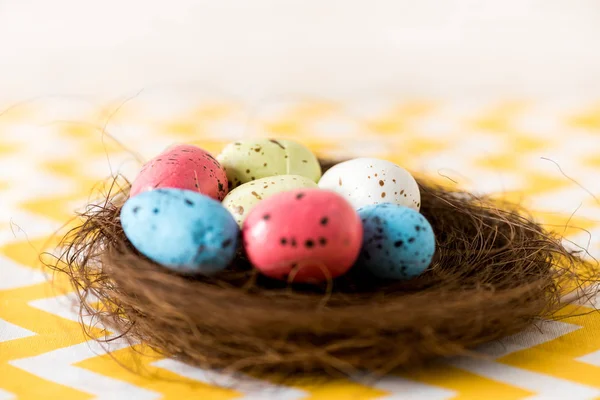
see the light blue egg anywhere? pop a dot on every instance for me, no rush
(180, 229)
(398, 242)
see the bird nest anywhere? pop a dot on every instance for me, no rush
(494, 273)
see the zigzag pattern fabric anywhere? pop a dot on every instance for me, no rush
(53, 152)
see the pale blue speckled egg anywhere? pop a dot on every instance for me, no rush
(182, 230)
(398, 242)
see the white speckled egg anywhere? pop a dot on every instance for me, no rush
(241, 200)
(366, 181)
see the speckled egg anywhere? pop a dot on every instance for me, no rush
(251, 159)
(183, 167)
(241, 200)
(180, 229)
(365, 181)
(304, 235)
(398, 242)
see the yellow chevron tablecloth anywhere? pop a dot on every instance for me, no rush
(52, 152)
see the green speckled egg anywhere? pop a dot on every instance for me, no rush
(252, 159)
(241, 200)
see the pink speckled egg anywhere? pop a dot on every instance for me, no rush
(183, 167)
(304, 235)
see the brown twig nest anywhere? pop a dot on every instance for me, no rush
(494, 273)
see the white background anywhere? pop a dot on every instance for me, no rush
(254, 49)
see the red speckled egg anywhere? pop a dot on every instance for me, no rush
(304, 235)
(183, 167)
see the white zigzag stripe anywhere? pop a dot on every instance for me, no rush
(64, 306)
(24, 225)
(4, 395)
(56, 366)
(546, 387)
(592, 358)
(542, 332)
(405, 389)
(16, 276)
(10, 331)
(252, 389)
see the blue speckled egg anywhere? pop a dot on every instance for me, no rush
(398, 242)
(180, 229)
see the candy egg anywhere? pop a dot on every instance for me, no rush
(180, 229)
(243, 198)
(183, 167)
(251, 159)
(365, 181)
(304, 235)
(398, 242)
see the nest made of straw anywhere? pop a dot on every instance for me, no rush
(494, 273)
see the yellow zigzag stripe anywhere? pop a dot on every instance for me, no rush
(468, 385)
(52, 333)
(138, 370)
(557, 358)
(134, 367)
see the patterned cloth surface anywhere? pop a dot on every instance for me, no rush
(53, 152)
